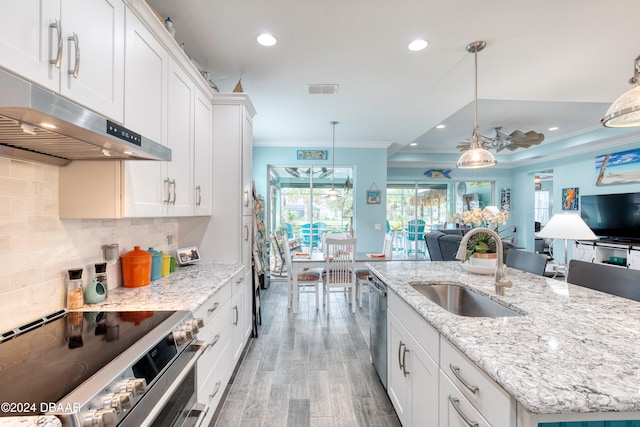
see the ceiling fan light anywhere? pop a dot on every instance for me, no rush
(476, 158)
(625, 111)
(333, 194)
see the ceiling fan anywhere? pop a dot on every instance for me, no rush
(295, 172)
(513, 141)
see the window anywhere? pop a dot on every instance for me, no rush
(542, 207)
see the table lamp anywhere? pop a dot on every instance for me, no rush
(567, 226)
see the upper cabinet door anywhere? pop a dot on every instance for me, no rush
(31, 40)
(92, 69)
(180, 97)
(202, 154)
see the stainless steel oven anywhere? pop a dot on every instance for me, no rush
(105, 368)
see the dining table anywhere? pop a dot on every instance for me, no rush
(301, 261)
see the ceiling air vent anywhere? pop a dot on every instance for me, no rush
(322, 89)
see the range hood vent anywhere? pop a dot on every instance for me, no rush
(40, 126)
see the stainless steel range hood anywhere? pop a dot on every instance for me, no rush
(39, 126)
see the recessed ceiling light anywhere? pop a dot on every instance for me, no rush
(418, 44)
(553, 128)
(266, 39)
(413, 144)
(440, 127)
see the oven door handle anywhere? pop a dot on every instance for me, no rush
(198, 348)
(199, 411)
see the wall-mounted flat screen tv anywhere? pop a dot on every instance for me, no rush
(612, 216)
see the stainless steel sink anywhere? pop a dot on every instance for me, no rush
(463, 301)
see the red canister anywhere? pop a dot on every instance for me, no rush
(136, 268)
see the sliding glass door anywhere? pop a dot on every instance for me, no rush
(414, 209)
(301, 204)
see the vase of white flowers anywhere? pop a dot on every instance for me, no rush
(481, 248)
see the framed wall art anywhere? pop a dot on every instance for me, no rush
(570, 199)
(373, 195)
(312, 154)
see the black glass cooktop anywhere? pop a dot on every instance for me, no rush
(44, 364)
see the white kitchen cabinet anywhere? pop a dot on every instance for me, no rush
(179, 177)
(236, 318)
(74, 47)
(215, 366)
(455, 409)
(412, 372)
(202, 131)
(485, 395)
(27, 42)
(228, 236)
(146, 72)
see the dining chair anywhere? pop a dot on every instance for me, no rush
(325, 236)
(278, 257)
(305, 278)
(414, 237)
(339, 271)
(531, 262)
(610, 279)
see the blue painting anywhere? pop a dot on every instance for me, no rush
(570, 199)
(622, 167)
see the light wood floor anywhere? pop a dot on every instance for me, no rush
(308, 369)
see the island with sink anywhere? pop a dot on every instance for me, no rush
(544, 354)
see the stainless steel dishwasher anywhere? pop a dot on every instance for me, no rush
(378, 326)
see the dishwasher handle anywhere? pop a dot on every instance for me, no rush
(377, 287)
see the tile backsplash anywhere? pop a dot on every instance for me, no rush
(37, 247)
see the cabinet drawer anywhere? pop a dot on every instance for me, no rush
(217, 336)
(489, 399)
(424, 333)
(237, 281)
(455, 409)
(212, 307)
(211, 391)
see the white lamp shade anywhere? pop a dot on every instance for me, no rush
(567, 226)
(625, 111)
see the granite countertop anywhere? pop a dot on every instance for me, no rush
(575, 350)
(186, 289)
(35, 421)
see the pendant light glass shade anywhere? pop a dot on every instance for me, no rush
(476, 156)
(625, 111)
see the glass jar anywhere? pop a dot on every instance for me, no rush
(75, 289)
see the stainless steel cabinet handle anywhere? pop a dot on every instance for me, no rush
(58, 59)
(246, 198)
(246, 233)
(400, 356)
(173, 183)
(235, 322)
(76, 68)
(215, 391)
(456, 371)
(199, 195)
(456, 405)
(214, 308)
(167, 182)
(214, 342)
(404, 361)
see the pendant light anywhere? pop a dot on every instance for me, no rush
(333, 193)
(625, 111)
(476, 156)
